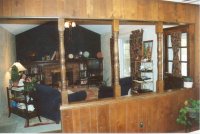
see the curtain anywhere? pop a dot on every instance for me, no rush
(176, 43)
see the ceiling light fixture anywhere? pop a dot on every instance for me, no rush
(70, 24)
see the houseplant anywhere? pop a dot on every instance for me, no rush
(29, 84)
(15, 75)
(189, 114)
(188, 82)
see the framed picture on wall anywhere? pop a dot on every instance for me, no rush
(147, 49)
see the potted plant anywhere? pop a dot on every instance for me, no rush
(29, 85)
(15, 75)
(189, 114)
(188, 82)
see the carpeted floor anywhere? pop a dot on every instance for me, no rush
(35, 122)
(7, 126)
(15, 124)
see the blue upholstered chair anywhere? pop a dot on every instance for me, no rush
(49, 100)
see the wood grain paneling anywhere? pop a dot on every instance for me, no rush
(68, 119)
(103, 118)
(93, 126)
(167, 11)
(7, 8)
(1, 7)
(147, 10)
(117, 117)
(146, 113)
(85, 119)
(197, 53)
(131, 9)
(181, 12)
(117, 9)
(18, 7)
(186, 13)
(61, 8)
(76, 120)
(98, 5)
(191, 31)
(33, 7)
(190, 13)
(75, 8)
(140, 10)
(50, 7)
(132, 116)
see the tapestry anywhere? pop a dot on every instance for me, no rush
(176, 43)
(136, 39)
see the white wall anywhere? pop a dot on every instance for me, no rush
(124, 33)
(7, 58)
(105, 48)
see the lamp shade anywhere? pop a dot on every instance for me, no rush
(19, 66)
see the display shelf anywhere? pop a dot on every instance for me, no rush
(143, 75)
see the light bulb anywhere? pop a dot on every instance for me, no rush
(67, 24)
(73, 24)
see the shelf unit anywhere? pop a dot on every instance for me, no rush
(143, 79)
(83, 72)
(15, 97)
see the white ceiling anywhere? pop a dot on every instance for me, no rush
(18, 28)
(100, 29)
(196, 2)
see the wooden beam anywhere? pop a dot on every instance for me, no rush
(160, 81)
(61, 29)
(115, 31)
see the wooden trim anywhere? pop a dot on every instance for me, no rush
(160, 82)
(189, 29)
(115, 30)
(191, 51)
(62, 60)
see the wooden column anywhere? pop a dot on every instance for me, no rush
(61, 29)
(160, 81)
(115, 31)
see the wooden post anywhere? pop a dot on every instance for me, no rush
(115, 31)
(160, 81)
(61, 29)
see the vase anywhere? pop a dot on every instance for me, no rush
(187, 84)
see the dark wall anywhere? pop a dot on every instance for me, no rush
(44, 40)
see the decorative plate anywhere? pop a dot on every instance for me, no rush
(70, 56)
(86, 54)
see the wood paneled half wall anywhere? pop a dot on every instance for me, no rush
(146, 113)
(148, 10)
